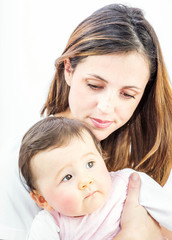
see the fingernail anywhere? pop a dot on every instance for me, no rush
(135, 176)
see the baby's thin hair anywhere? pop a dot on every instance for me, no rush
(49, 133)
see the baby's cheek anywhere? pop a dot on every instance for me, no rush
(68, 204)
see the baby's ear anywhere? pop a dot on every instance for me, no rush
(68, 70)
(40, 200)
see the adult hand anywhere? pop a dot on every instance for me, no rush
(136, 223)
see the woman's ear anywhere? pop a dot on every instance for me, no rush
(68, 71)
(40, 200)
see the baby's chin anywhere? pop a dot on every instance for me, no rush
(87, 212)
(92, 204)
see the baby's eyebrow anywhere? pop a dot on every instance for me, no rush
(61, 170)
(88, 153)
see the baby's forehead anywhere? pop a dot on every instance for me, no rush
(77, 149)
(83, 136)
(83, 142)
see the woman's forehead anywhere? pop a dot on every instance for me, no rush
(130, 67)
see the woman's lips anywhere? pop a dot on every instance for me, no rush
(100, 123)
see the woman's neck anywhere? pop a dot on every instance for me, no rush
(66, 114)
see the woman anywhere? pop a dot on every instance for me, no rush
(120, 35)
(112, 76)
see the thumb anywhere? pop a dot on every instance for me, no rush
(133, 189)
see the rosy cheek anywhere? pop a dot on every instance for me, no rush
(67, 204)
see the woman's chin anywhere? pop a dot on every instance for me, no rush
(100, 135)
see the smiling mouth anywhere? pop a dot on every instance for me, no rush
(98, 123)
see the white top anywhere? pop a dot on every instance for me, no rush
(104, 223)
(17, 209)
(44, 227)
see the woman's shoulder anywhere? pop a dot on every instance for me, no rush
(168, 184)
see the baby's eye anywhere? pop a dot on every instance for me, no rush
(67, 178)
(90, 164)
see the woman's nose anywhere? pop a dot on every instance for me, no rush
(85, 183)
(106, 103)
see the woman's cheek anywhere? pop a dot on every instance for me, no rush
(127, 111)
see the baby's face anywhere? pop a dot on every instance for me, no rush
(73, 179)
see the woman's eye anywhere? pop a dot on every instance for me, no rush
(94, 87)
(90, 164)
(67, 178)
(126, 95)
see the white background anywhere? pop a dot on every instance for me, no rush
(33, 33)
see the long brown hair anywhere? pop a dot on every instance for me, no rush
(145, 142)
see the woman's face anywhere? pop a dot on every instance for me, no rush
(105, 90)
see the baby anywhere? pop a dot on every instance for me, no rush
(63, 167)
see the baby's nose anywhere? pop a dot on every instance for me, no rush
(84, 184)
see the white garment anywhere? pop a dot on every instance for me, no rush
(17, 209)
(104, 223)
(44, 227)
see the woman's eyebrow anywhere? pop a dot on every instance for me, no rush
(104, 80)
(98, 77)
